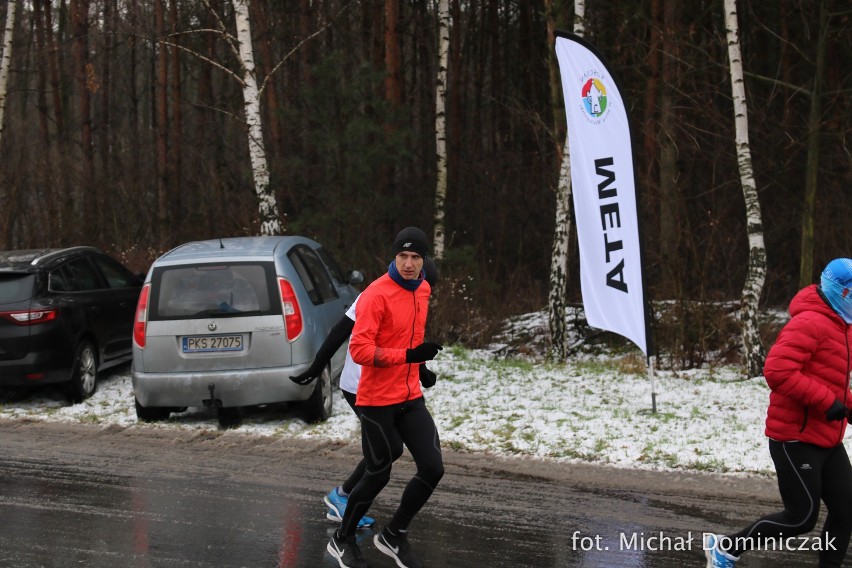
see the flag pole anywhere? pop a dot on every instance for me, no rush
(652, 361)
(605, 195)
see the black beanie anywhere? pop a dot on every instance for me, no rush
(411, 239)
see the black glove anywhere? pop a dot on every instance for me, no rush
(837, 411)
(307, 377)
(427, 377)
(421, 353)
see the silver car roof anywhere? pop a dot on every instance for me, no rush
(231, 249)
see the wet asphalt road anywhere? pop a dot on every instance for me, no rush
(76, 495)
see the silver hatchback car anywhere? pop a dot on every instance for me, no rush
(224, 323)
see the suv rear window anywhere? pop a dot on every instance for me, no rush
(16, 287)
(117, 276)
(184, 292)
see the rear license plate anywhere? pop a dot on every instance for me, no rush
(212, 343)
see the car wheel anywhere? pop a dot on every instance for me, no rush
(84, 379)
(152, 413)
(318, 407)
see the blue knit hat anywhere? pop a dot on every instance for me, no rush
(836, 285)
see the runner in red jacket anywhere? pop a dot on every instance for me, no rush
(390, 321)
(387, 341)
(807, 370)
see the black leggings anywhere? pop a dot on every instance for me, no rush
(806, 473)
(358, 472)
(384, 430)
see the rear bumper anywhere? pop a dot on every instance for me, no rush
(230, 388)
(36, 369)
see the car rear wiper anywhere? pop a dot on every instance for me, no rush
(221, 309)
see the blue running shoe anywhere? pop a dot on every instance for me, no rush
(337, 507)
(717, 558)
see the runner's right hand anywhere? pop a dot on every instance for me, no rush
(306, 377)
(837, 411)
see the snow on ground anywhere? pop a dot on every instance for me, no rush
(593, 409)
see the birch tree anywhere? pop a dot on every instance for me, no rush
(5, 62)
(753, 351)
(557, 297)
(441, 125)
(269, 221)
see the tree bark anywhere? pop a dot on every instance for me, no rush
(753, 351)
(806, 268)
(393, 56)
(441, 125)
(6, 61)
(669, 234)
(41, 50)
(162, 121)
(558, 293)
(176, 128)
(6, 196)
(54, 65)
(86, 84)
(269, 221)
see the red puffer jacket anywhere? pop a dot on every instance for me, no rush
(388, 321)
(807, 369)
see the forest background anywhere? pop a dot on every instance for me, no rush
(124, 129)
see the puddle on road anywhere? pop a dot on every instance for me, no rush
(56, 516)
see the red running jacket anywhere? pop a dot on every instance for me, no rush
(388, 320)
(807, 369)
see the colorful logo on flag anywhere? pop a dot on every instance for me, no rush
(594, 98)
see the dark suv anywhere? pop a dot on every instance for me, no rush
(65, 315)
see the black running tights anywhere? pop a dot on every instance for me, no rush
(806, 473)
(358, 472)
(384, 431)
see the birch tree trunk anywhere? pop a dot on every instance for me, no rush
(557, 297)
(441, 126)
(753, 351)
(269, 221)
(6, 61)
(6, 211)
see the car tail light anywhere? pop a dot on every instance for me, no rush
(141, 320)
(30, 317)
(292, 311)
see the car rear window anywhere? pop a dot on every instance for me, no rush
(333, 267)
(82, 276)
(313, 274)
(16, 287)
(117, 276)
(183, 292)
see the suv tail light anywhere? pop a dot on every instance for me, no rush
(30, 317)
(141, 320)
(291, 309)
